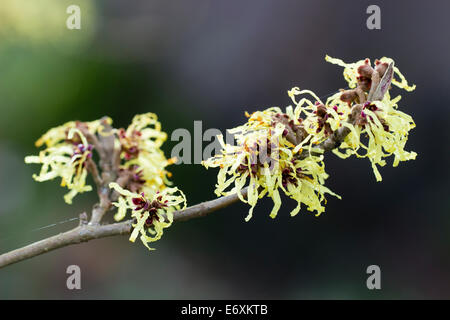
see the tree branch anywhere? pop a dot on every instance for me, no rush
(86, 232)
(110, 160)
(93, 230)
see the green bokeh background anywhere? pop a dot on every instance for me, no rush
(211, 61)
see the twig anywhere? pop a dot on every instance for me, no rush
(106, 149)
(86, 232)
(336, 138)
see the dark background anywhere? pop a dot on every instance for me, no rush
(212, 61)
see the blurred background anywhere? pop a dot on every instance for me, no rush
(212, 61)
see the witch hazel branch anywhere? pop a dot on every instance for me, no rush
(276, 152)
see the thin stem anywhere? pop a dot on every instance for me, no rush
(105, 146)
(86, 232)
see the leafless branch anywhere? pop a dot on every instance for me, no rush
(104, 145)
(86, 232)
(93, 230)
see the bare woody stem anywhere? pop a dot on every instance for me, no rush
(93, 230)
(335, 139)
(104, 144)
(86, 232)
(109, 163)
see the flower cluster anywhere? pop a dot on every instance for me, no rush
(283, 151)
(376, 117)
(141, 156)
(133, 169)
(143, 168)
(152, 212)
(268, 157)
(67, 155)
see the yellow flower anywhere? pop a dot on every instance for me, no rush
(131, 157)
(66, 156)
(152, 211)
(384, 127)
(267, 159)
(59, 134)
(352, 71)
(140, 150)
(303, 181)
(146, 191)
(387, 130)
(319, 120)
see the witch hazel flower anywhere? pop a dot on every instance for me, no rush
(131, 173)
(319, 119)
(141, 154)
(379, 129)
(142, 185)
(266, 160)
(66, 156)
(152, 211)
(305, 184)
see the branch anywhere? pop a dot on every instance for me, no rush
(110, 161)
(86, 232)
(337, 137)
(104, 144)
(93, 230)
